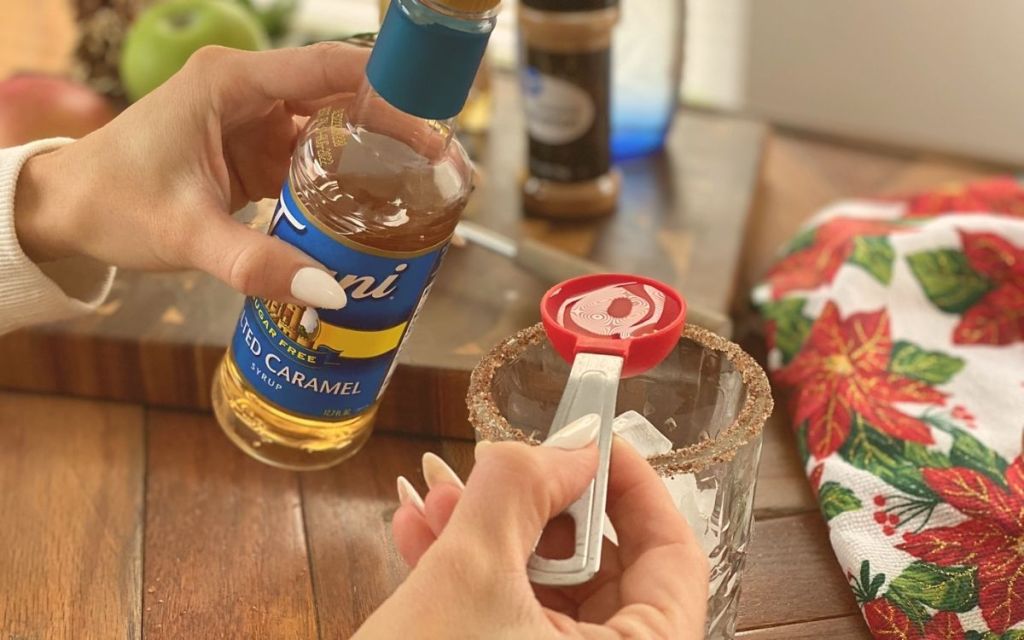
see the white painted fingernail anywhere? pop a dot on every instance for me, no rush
(407, 494)
(436, 471)
(317, 288)
(577, 434)
(480, 446)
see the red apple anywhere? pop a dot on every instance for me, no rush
(38, 106)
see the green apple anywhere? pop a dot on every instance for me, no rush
(167, 33)
(275, 15)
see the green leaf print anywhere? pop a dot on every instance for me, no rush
(834, 499)
(988, 635)
(865, 589)
(942, 588)
(969, 452)
(801, 443)
(791, 325)
(916, 611)
(874, 255)
(933, 367)
(877, 583)
(922, 456)
(948, 279)
(869, 449)
(803, 240)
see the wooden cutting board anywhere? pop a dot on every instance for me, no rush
(682, 216)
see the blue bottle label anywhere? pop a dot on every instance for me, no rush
(325, 363)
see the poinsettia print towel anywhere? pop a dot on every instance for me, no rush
(897, 328)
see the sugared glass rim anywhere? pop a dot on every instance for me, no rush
(757, 406)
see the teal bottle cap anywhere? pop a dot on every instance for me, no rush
(424, 62)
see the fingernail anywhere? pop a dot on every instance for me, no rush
(407, 494)
(317, 288)
(436, 471)
(480, 446)
(577, 434)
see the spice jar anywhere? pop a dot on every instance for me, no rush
(566, 79)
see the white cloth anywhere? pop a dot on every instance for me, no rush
(32, 293)
(897, 326)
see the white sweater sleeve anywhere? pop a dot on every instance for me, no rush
(46, 292)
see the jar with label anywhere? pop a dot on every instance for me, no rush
(566, 78)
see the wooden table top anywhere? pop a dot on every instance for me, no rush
(118, 519)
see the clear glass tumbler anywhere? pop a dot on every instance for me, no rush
(708, 397)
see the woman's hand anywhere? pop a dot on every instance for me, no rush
(154, 189)
(470, 547)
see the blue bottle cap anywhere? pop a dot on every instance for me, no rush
(424, 62)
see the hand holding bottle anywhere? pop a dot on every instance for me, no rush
(154, 189)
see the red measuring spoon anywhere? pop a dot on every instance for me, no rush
(608, 326)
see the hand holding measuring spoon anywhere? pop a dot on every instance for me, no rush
(469, 546)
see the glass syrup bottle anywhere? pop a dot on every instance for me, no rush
(376, 186)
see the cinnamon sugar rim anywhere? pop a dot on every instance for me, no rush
(757, 406)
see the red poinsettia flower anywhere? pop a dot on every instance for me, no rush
(999, 195)
(817, 263)
(842, 369)
(816, 474)
(992, 538)
(944, 625)
(889, 622)
(998, 317)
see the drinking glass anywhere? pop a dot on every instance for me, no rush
(708, 397)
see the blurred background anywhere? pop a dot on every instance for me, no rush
(940, 76)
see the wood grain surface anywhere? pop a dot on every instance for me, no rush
(108, 532)
(782, 488)
(159, 337)
(844, 628)
(348, 513)
(71, 496)
(225, 545)
(791, 574)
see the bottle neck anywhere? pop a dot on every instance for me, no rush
(369, 111)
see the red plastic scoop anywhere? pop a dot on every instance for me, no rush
(608, 326)
(635, 318)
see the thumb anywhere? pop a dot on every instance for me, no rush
(264, 266)
(515, 489)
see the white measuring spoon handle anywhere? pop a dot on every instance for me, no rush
(592, 388)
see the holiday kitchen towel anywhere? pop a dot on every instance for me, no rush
(897, 328)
